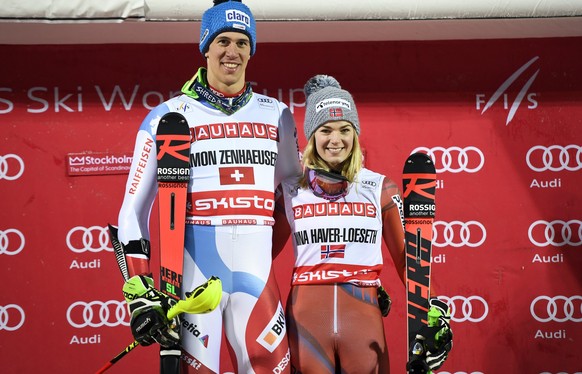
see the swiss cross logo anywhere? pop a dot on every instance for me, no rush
(237, 175)
(336, 112)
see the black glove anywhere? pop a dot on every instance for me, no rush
(384, 301)
(433, 343)
(149, 308)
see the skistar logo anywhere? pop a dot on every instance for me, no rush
(216, 203)
(502, 93)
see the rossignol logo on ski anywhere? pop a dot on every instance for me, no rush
(419, 195)
(174, 171)
(421, 210)
(173, 150)
(415, 185)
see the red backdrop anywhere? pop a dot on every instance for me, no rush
(503, 119)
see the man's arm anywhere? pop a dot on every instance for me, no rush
(140, 193)
(281, 229)
(288, 162)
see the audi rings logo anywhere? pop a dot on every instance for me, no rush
(11, 167)
(558, 308)
(93, 239)
(472, 308)
(554, 158)
(98, 313)
(455, 159)
(458, 234)
(11, 317)
(11, 242)
(557, 233)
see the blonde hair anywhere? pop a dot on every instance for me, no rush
(351, 166)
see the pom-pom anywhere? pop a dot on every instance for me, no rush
(318, 82)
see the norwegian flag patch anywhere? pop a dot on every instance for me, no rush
(333, 251)
(336, 112)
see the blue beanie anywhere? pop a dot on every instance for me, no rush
(227, 15)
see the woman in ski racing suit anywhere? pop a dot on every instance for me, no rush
(339, 212)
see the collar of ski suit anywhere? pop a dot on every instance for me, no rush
(198, 89)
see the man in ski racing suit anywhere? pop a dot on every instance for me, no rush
(242, 145)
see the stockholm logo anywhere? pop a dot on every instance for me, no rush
(502, 95)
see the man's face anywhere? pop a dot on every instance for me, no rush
(227, 59)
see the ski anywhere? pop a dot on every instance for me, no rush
(419, 185)
(173, 174)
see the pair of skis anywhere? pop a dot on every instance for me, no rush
(419, 185)
(173, 173)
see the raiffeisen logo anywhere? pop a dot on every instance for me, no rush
(524, 96)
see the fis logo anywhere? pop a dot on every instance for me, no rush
(501, 94)
(183, 107)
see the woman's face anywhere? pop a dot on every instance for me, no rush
(334, 142)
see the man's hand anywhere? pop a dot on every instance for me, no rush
(148, 308)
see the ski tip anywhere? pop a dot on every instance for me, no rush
(173, 116)
(419, 157)
(419, 161)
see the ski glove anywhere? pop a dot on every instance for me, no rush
(438, 353)
(148, 308)
(384, 301)
(433, 343)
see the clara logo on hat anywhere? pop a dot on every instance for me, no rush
(331, 103)
(233, 15)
